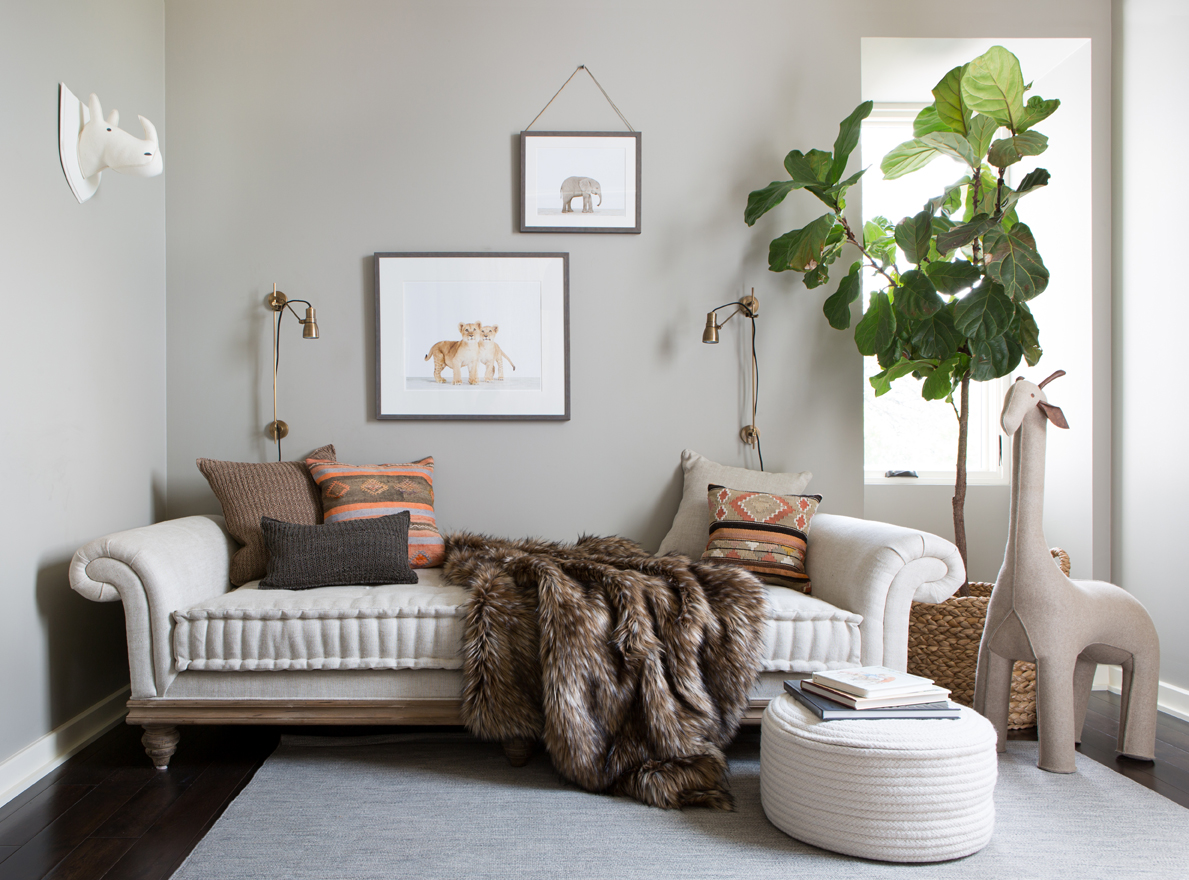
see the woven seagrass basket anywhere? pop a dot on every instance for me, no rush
(943, 642)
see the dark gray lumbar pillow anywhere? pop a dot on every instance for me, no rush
(364, 552)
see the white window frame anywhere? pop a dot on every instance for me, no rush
(995, 467)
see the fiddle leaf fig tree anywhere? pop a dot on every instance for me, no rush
(954, 280)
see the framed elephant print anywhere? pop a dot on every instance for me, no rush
(472, 336)
(579, 181)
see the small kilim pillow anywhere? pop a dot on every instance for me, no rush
(352, 491)
(763, 533)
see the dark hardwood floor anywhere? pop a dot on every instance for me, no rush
(106, 813)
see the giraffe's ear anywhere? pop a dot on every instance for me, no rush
(1054, 413)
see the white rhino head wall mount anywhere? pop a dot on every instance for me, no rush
(88, 144)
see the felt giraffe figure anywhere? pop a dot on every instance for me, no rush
(1066, 627)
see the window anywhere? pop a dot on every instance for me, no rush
(902, 430)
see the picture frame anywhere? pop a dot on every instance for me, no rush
(554, 164)
(473, 336)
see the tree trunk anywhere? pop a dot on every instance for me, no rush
(960, 481)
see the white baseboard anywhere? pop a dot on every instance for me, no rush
(43, 755)
(1171, 699)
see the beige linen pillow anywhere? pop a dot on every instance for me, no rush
(691, 526)
(248, 490)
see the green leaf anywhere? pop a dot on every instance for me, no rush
(907, 157)
(941, 225)
(994, 86)
(953, 145)
(939, 384)
(877, 329)
(1029, 335)
(1014, 352)
(1015, 263)
(764, 200)
(917, 153)
(951, 109)
(837, 305)
(820, 162)
(916, 297)
(801, 249)
(878, 239)
(936, 337)
(980, 132)
(882, 382)
(1034, 179)
(927, 122)
(984, 313)
(1009, 151)
(913, 235)
(838, 190)
(989, 359)
(1037, 109)
(951, 278)
(808, 168)
(817, 276)
(960, 236)
(848, 139)
(951, 196)
(831, 249)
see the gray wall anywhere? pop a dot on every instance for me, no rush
(82, 423)
(1150, 417)
(303, 141)
(306, 136)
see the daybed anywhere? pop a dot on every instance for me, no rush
(203, 652)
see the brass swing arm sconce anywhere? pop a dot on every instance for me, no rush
(278, 302)
(749, 307)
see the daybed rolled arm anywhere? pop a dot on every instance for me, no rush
(155, 570)
(878, 570)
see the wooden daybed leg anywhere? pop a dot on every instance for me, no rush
(160, 742)
(518, 750)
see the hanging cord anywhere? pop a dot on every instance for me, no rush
(601, 89)
(755, 390)
(276, 364)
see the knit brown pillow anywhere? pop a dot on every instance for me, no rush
(248, 490)
(359, 552)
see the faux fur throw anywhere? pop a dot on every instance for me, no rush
(633, 670)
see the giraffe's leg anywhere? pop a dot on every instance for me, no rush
(1137, 712)
(992, 691)
(1055, 713)
(1083, 680)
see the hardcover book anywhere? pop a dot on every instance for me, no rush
(927, 695)
(828, 710)
(871, 681)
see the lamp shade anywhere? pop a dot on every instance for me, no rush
(309, 325)
(710, 334)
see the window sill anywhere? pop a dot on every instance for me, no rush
(934, 479)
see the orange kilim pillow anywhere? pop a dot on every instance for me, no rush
(763, 533)
(352, 491)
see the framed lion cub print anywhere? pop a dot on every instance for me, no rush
(472, 336)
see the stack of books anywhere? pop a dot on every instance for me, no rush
(872, 692)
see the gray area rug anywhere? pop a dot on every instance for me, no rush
(448, 806)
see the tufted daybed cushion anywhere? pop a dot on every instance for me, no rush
(420, 626)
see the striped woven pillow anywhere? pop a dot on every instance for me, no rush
(351, 491)
(763, 533)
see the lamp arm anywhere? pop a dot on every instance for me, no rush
(289, 305)
(738, 310)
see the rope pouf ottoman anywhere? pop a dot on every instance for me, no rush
(897, 790)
